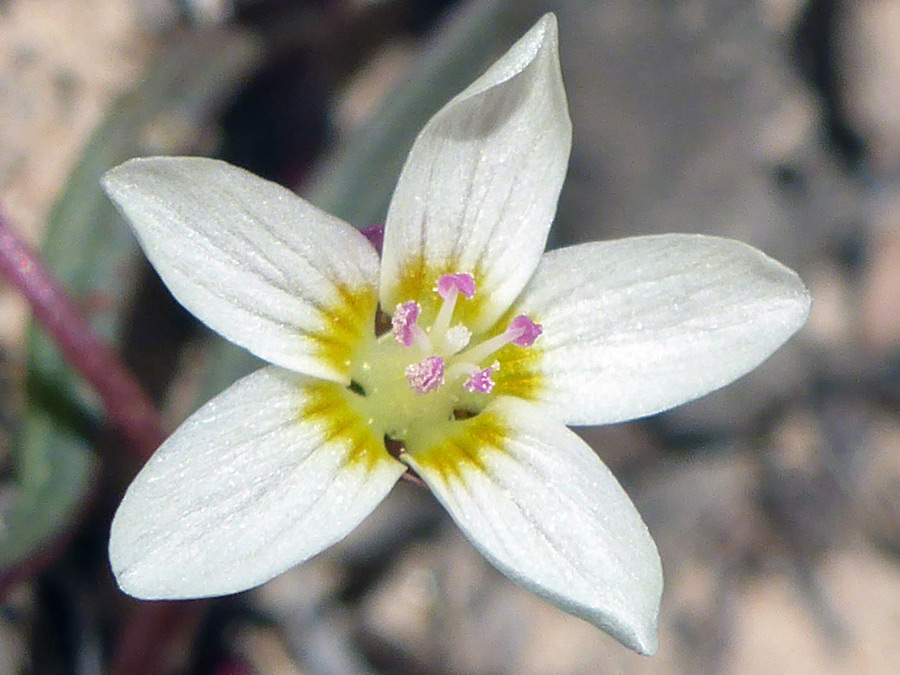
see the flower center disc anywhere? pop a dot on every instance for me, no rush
(413, 379)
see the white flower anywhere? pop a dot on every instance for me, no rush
(492, 349)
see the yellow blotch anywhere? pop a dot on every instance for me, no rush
(328, 406)
(464, 446)
(519, 375)
(348, 322)
(418, 281)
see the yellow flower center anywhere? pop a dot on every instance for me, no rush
(411, 379)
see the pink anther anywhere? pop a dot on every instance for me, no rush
(403, 322)
(426, 375)
(481, 382)
(463, 283)
(524, 331)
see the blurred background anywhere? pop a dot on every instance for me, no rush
(775, 502)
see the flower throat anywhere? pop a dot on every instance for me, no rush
(415, 375)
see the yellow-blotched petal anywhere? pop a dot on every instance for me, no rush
(480, 185)
(252, 260)
(539, 504)
(639, 325)
(262, 477)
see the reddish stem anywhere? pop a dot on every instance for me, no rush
(149, 625)
(146, 643)
(127, 405)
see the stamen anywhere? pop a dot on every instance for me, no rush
(463, 283)
(522, 331)
(426, 375)
(527, 331)
(405, 328)
(449, 286)
(481, 381)
(403, 321)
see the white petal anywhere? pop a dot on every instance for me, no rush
(539, 504)
(479, 189)
(247, 488)
(249, 258)
(639, 325)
